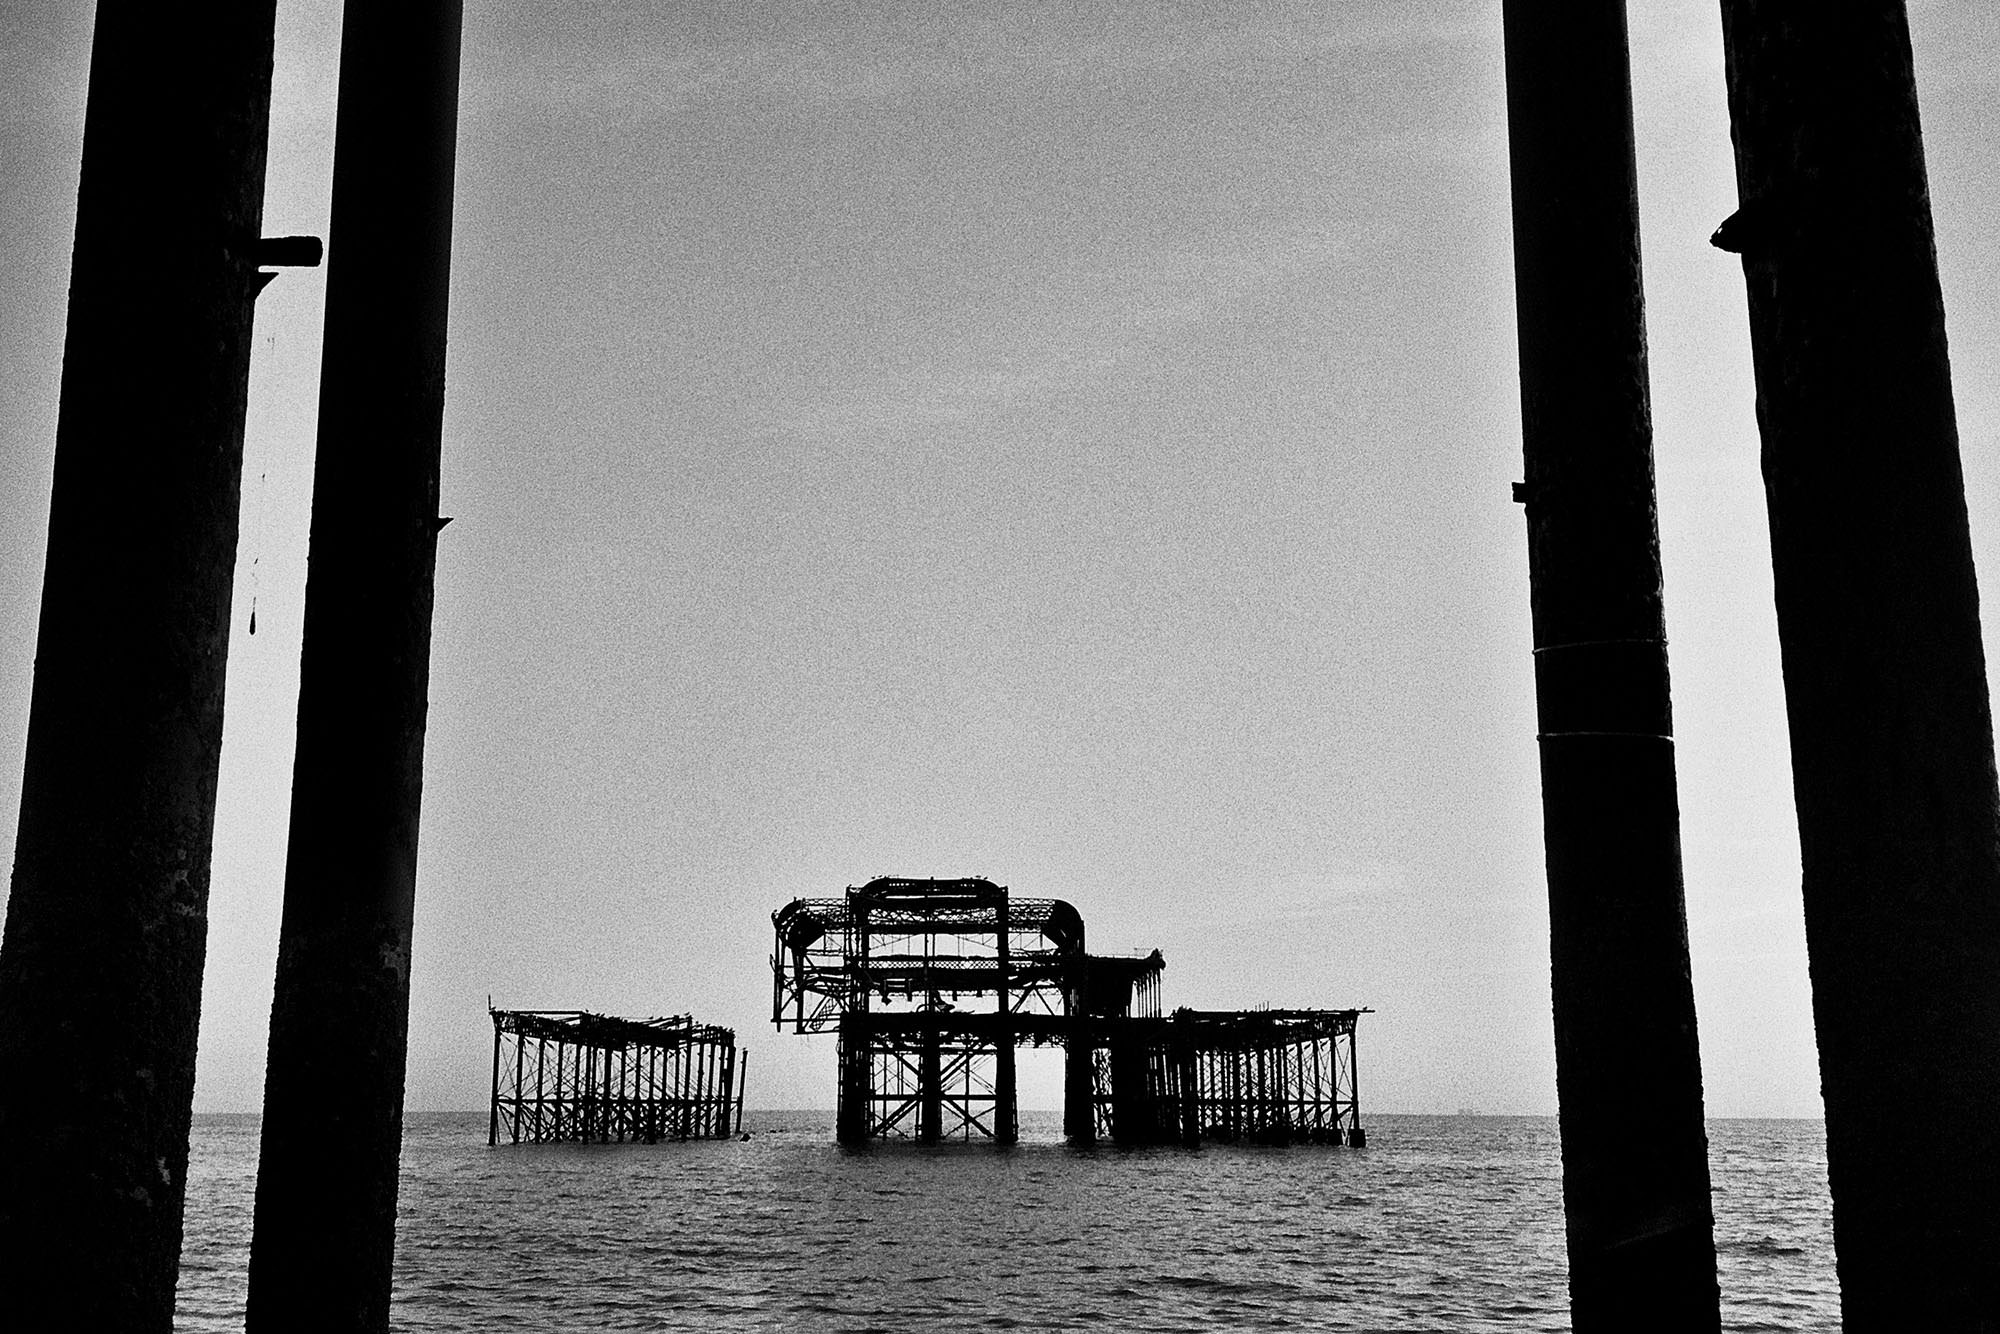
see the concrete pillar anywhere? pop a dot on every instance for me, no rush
(100, 969)
(1885, 673)
(1628, 1070)
(322, 1250)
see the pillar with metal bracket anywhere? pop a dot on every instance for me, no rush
(101, 967)
(1628, 1068)
(1885, 672)
(322, 1249)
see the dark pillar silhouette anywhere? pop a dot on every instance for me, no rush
(1885, 675)
(321, 1253)
(930, 1085)
(1006, 1117)
(1134, 1118)
(856, 1113)
(1628, 1070)
(1079, 1066)
(100, 971)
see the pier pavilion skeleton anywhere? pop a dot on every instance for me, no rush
(932, 985)
(565, 1076)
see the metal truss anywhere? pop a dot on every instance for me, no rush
(933, 984)
(947, 1089)
(571, 1076)
(1260, 1076)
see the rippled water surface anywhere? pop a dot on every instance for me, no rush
(1441, 1223)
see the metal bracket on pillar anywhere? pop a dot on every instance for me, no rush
(284, 252)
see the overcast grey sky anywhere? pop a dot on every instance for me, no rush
(1068, 443)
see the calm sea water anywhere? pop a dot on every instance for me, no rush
(1442, 1223)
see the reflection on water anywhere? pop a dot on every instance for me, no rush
(1449, 1223)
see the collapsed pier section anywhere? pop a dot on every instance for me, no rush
(1249, 1076)
(568, 1076)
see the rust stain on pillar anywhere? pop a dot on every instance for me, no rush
(1628, 1069)
(323, 1244)
(1885, 673)
(100, 971)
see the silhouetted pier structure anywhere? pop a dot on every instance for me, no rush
(932, 985)
(567, 1076)
(1255, 1076)
(100, 968)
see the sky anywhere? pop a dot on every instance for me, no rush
(1064, 443)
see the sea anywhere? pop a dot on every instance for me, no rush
(1445, 1223)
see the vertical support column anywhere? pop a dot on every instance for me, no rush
(1264, 1121)
(621, 1096)
(669, 1089)
(324, 1240)
(1628, 1071)
(852, 1115)
(742, 1084)
(1885, 672)
(684, 1087)
(856, 1114)
(717, 1091)
(1079, 1086)
(1318, 1094)
(1189, 1069)
(1133, 1114)
(1238, 1122)
(709, 1057)
(101, 967)
(728, 1091)
(1280, 1068)
(1079, 1060)
(668, 1064)
(675, 1057)
(1356, 1136)
(541, 1106)
(721, 1095)
(697, 1087)
(493, 1122)
(1006, 1116)
(930, 1090)
(649, 1095)
(520, 1069)
(561, 1109)
(610, 1115)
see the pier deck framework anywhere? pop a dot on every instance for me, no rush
(932, 986)
(568, 1076)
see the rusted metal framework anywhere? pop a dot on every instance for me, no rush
(567, 1076)
(1266, 1076)
(933, 984)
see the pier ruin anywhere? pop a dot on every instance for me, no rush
(932, 986)
(567, 1076)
